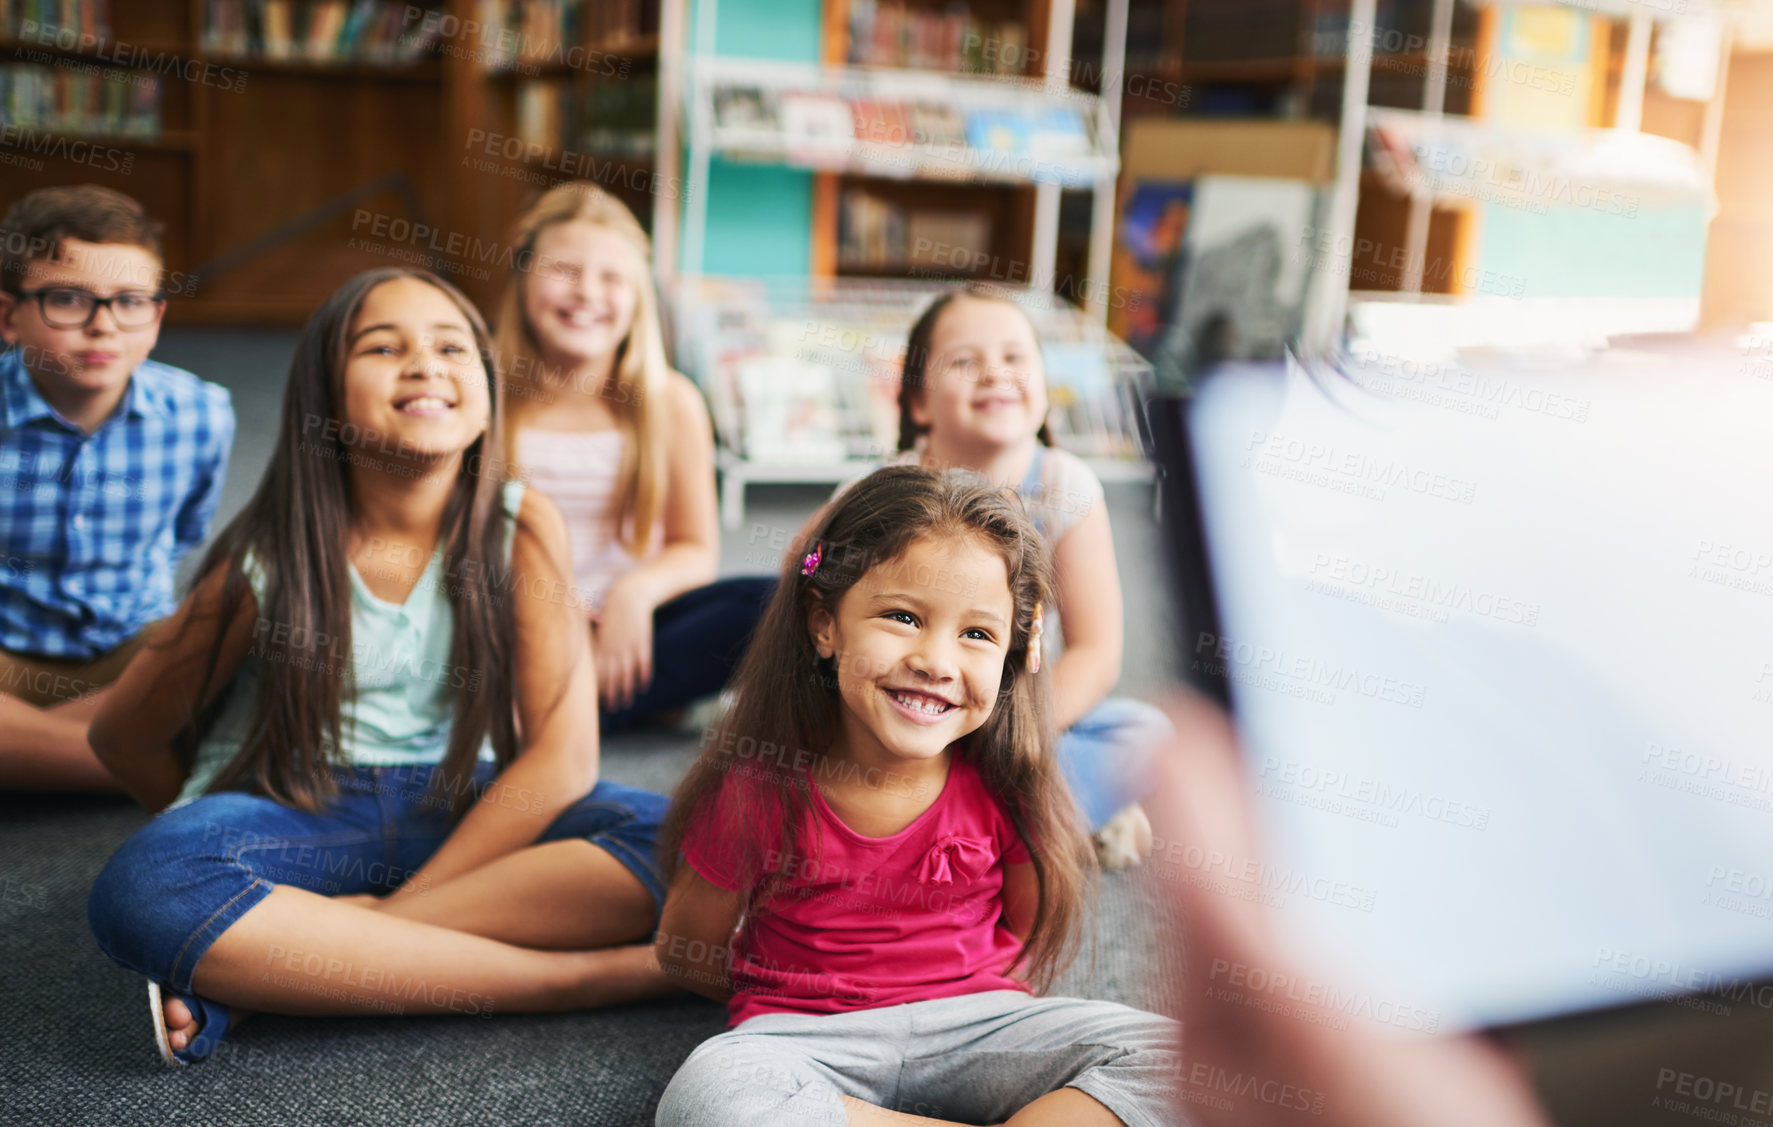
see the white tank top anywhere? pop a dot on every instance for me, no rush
(578, 471)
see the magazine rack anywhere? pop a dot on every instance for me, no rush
(802, 378)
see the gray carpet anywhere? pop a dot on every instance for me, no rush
(79, 1045)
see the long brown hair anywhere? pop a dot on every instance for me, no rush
(642, 367)
(787, 694)
(295, 530)
(915, 374)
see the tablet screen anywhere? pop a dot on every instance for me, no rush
(1499, 643)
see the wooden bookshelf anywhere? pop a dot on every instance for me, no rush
(1010, 206)
(238, 174)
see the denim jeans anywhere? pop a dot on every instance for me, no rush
(698, 638)
(187, 876)
(1107, 755)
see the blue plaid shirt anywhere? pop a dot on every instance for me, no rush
(92, 527)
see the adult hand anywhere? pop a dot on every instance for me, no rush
(624, 646)
(1319, 1066)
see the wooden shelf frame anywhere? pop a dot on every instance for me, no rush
(231, 166)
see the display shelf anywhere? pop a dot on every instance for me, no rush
(1046, 137)
(802, 378)
(1459, 162)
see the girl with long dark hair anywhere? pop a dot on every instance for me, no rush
(374, 727)
(876, 862)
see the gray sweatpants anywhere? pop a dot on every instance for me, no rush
(978, 1058)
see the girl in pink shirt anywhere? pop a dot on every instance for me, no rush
(881, 866)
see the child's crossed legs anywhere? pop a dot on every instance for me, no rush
(978, 1058)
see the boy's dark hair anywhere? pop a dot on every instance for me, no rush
(35, 226)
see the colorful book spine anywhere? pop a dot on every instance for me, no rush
(322, 30)
(66, 23)
(888, 34)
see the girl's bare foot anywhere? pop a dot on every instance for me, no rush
(1125, 840)
(182, 1025)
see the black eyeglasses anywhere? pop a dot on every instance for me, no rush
(65, 308)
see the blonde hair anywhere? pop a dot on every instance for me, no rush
(637, 386)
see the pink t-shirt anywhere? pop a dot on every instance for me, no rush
(864, 922)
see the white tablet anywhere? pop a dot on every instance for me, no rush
(1499, 644)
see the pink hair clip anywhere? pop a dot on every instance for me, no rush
(1034, 633)
(809, 563)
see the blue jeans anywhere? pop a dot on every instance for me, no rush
(1107, 755)
(187, 876)
(698, 638)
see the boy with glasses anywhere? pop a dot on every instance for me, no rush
(111, 466)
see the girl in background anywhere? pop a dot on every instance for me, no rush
(973, 396)
(376, 732)
(623, 445)
(882, 822)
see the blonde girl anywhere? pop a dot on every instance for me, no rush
(622, 443)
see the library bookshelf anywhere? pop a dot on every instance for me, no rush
(282, 166)
(934, 135)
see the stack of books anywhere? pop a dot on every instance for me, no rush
(89, 102)
(322, 30)
(49, 21)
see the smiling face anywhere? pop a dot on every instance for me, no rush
(582, 292)
(414, 383)
(984, 386)
(95, 359)
(919, 643)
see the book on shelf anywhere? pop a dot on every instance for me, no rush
(64, 23)
(880, 121)
(887, 33)
(790, 409)
(532, 32)
(1045, 132)
(816, 122)
(224, 27)
(997, 130)
(123, 103)
(870, 232)
(876, 234)
(380, 31)
(613, 22)
(938, 125)
(746, 107)
(541, 112)
(277, 29)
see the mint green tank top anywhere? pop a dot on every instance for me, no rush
(402, 707)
